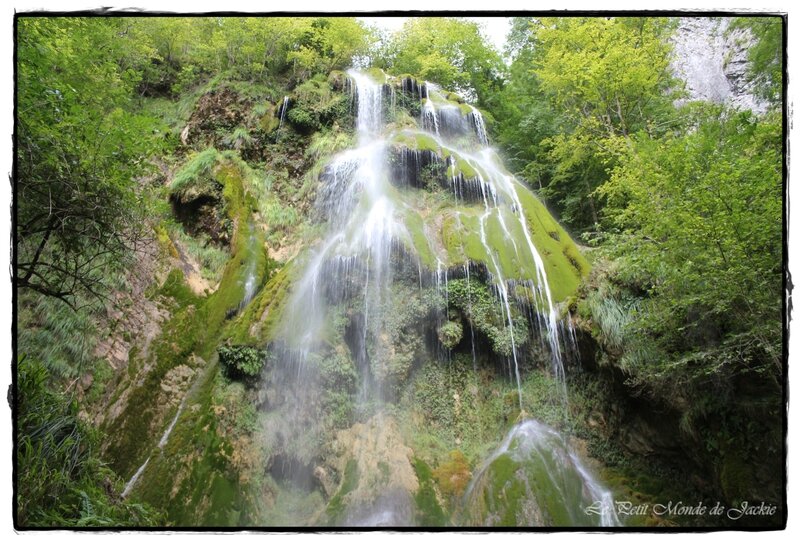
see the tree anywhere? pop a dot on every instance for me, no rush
(78, 152)
(328, 43)
(694, 221)
(577, 85)
(450, 52)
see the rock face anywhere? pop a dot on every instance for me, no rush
(712, 61)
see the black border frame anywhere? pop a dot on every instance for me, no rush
(788, 285)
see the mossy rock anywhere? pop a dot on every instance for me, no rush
(533, 483)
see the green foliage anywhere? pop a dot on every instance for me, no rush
(765, 70)
(339, 381)
(326, 143)
(576, 86)
(239, 139)
(453, 406)
(79, 149)
(486, 315)
(248, 48)
(695, 222)
(450, 334)
(448, 51)
(241, 362)
(317, 105)
(326, 44)
(52, 331)
(61, 482)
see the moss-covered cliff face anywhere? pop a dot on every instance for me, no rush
(363, 302)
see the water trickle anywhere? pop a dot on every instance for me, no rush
(430, 119)
(132, 482)
(161, 443)
(282, 113)
(480, 127)
(250, 278)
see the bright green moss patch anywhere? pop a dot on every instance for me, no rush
(564, 264)
(336, 505)
(429, 512)
(175, 287)
(417, 140)
(463, 167)
(419, 239)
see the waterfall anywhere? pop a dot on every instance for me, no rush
(282, 112)
(373, 242)
(132, 482)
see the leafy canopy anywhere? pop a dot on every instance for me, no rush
(448, 51)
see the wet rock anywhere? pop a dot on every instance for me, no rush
(381, 491)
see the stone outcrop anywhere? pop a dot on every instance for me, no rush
(712, 61)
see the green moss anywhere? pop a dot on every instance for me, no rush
(175, 287)
(165, 242)
(257, 323)
(336, 505)
(193, 478)
(463, 167)
(419, 239)
(452, 96)
(268, 122)
(417, 140)
(564, 264)
(194, 328)
(451, 238)
(429, 512)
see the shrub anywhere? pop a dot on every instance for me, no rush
(450, 334)
(241, 362)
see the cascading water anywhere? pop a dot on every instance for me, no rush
(354, 295)
(557, 488)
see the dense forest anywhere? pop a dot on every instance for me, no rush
(306, 271)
